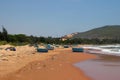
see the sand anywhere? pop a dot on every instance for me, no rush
(27, 64)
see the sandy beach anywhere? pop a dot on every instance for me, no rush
(27, 64)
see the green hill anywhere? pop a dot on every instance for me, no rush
(106, 32)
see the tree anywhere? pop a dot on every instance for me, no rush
(4, 34)
(1, 37)
(42, 39)
(12, 38)
(21, 38)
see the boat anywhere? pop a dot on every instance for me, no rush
(66, 46)
(42, 50)
(50, 47)
(77, 49)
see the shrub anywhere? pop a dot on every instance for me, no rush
(3, 42)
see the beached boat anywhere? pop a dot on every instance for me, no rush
(77, 49)
(50, 47)
(66, 46)
(42, 50)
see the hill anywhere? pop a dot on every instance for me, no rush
(105, 32)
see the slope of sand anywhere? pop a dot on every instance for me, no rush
(27, 64)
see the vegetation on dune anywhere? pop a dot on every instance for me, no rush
(22, 39)
(103, 35)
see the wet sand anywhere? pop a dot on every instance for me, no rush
(54, 65)
(105, 67)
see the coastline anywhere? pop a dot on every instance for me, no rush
(58, 65)
(104, 65)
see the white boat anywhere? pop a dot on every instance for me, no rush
(107, 49)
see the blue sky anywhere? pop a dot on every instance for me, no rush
(57, 17)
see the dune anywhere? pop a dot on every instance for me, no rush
(27, 64)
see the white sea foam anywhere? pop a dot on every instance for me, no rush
(104, 49)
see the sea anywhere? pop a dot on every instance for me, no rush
(104, 67)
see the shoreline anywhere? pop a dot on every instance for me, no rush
(55, 67)
(104, 64)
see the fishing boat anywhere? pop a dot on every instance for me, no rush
(50, 47)
(42, 50)
(77, 49)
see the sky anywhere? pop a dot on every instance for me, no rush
(57, 17)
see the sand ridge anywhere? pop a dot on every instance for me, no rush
(54, 65)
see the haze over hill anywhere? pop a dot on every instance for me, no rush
(105, 32)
